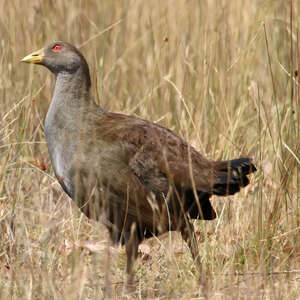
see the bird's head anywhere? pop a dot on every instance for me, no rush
(58, 57)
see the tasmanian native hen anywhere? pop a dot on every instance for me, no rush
(140, 179)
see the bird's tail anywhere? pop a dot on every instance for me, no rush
(231, 175)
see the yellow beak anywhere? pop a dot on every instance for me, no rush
(35, 57)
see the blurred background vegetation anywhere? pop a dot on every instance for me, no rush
(224, 76)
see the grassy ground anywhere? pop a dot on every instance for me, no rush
(219, 73)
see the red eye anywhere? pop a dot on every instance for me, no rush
(56, 47)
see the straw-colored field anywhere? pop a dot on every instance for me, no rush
(219, 73)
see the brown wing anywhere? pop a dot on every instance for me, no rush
(157, 156)
(159, 159)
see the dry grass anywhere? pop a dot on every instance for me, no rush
(221, 74)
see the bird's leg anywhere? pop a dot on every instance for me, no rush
(188, 234)
(132, 245)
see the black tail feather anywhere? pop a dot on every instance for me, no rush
(232, 175)
(203, 210)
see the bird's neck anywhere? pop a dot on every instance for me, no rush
(71, 101)
(72, 89)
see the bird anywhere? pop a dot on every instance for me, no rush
(138, 178)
